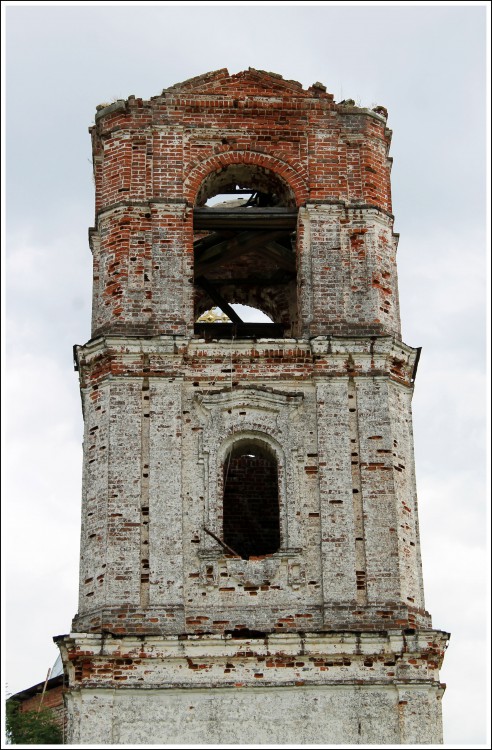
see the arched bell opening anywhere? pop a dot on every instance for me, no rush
(238, 180)
(248, 313)
(251, 512)
(245, 251)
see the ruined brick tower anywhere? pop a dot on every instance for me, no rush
(250, 562)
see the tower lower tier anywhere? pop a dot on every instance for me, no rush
(294, 688)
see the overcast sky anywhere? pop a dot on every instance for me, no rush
(427, 65)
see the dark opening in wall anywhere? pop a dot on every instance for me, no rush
(251, 500)
(245, 251)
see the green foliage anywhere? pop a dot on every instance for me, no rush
(32, 727)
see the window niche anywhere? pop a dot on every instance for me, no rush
(251, 512)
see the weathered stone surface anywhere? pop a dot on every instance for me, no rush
(331, 418)
(360, 688)
(316, 632)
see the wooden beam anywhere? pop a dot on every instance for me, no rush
(244, 218)
(199, 246)
(215, 331)
(218, 299)
(278, 278)
(233, 248)
(280, 255)
(222, 544)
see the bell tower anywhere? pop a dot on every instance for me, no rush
(250, 562)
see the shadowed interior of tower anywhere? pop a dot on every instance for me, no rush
(244, 251)
(250, 505)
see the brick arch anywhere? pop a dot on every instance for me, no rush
(214, 163)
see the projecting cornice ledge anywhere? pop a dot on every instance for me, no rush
(319, 357)
(368, 354)
(318, 658)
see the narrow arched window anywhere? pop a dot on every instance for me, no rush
(251, 512)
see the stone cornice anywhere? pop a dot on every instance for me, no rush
(319, 358)
(329, 642)
(321, 658)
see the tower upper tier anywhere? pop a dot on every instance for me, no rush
(314, 247)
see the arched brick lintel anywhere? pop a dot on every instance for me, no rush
(292, 177)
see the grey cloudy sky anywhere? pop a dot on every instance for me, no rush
(427, 65)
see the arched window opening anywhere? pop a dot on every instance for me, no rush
(248, 315)
(242, 180)
(251, 514)
(225, 200)
(244, 251)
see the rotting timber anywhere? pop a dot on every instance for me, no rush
(265, 238)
